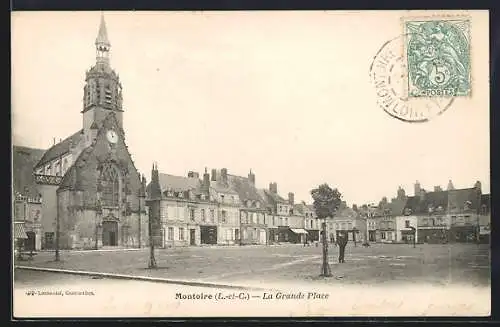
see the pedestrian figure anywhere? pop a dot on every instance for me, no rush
(341, 242)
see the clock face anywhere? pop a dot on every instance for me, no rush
(112, 136)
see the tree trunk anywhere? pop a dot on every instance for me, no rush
(152, 260)
(58, 258)
(325, 269)
(139, 236)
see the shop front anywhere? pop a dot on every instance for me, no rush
(433, 235)
(463, 234)
(312, 235)
(299, 235)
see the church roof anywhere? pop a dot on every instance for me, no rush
(71, 178)
(24, 160)
(59, 149)
(102, 36)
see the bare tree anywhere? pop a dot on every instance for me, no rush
(326, 203)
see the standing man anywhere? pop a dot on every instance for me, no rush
(341, 242)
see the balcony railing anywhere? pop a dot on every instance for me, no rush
(48, 179)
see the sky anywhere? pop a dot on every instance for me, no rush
(286, 94)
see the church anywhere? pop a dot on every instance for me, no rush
(86, 187)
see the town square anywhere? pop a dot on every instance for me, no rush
(220, 164)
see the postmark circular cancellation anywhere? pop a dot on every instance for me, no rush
(418, 75)
(389, 74)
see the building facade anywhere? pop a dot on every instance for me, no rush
(252, 212)
(279, 213)
(88, 183)
(228, 208)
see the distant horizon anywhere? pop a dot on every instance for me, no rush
(290, 100)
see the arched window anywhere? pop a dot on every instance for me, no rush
(110, 182)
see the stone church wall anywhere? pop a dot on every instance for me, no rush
(49, 210)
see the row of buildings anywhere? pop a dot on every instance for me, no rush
(438, 216)
(86, 189)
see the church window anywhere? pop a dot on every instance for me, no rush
(110, 182)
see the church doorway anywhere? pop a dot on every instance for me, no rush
(109, 233)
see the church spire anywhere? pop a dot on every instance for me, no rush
(102, 42)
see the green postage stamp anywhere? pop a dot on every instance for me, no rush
(438, 57)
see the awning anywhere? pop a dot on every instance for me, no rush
(19, 231)
(299, 231)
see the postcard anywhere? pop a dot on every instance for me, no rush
(250, 164)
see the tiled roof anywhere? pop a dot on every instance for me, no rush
(346, 212)
(59, 149)
(457, 199)
(432, 200)
(219, 186)
(263, 195)
(24, 160)
(397, 206)
(245, 190)
(300, 208)
(178, 183)
(71, 178)
(276, 198)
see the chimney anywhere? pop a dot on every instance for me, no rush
(214, 175)
(155, 184)
(437, 188)
(422, 195)
(206, 181)
(291, 198)
(450, 185)
(223, 173)
(477, 186)
(273, 188)
(251, 177)
(417, 188)
(354, 207)
(401, 193)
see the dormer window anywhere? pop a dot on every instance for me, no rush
(249, 203)
(257, 204)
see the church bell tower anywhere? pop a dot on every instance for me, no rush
(102, 90)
